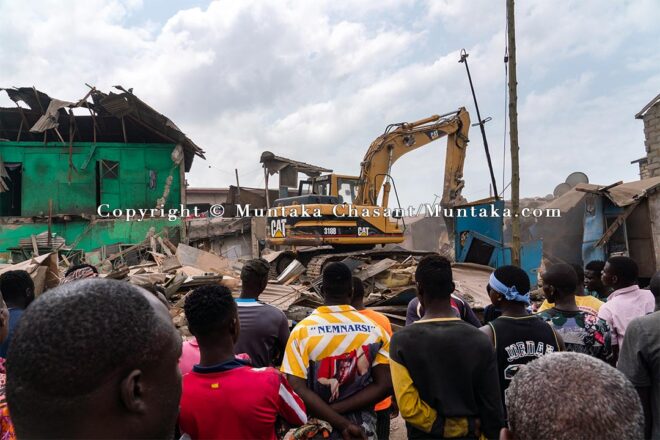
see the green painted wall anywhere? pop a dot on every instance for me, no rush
(104, 232)
(46, 170)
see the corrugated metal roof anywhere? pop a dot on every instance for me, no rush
(140, 122)
(628, 193)
(621, 195)
(275, 163)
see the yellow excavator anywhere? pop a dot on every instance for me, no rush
(345, 212)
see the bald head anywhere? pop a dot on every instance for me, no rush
(600, 402)
(82, 345)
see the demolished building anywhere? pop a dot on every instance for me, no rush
(62, 174)
(599, 221)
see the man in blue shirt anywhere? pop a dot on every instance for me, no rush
(17, 289)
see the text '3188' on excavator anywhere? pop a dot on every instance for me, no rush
(343, 211)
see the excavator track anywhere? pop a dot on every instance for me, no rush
(316, 263)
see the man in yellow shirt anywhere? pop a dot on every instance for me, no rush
(337, 360)
(586, 303)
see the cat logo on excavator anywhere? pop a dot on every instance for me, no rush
(277, 228)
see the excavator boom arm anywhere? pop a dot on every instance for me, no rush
(393, 144)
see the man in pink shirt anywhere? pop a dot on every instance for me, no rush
(627, 301)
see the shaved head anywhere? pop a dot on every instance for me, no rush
(562, 277)
(566, 396)
(94, 358)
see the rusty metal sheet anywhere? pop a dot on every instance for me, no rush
(280, 296)
(629, 193)
(571, 198)
(275, 163)
(199, 259)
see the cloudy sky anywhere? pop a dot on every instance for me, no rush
(318, 80)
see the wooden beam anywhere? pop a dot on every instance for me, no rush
(35, 248)
(123, 129)
(615, 226)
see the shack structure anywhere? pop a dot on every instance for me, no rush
(64, 173)
(599, 221)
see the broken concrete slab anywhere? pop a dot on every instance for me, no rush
(190, 256)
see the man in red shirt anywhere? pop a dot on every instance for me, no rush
(223, 397)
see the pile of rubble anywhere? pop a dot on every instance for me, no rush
(176, 270)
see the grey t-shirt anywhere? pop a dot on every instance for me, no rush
(264, 332)
(639, 360)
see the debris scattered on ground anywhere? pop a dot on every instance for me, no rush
(388, 275)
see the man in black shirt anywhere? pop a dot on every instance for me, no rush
(264, 328)
(518, 336)
(443, 369)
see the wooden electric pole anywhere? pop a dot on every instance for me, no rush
(513, 133)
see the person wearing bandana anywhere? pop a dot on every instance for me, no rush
(518, 336)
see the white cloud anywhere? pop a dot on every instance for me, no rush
(318, 81)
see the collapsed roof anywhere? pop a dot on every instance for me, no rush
(275, 164)
(113, 117)
(620, 194)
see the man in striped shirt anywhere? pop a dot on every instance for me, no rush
(337, 360)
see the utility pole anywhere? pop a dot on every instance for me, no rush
(513, 133)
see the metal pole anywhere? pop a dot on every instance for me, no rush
(513, 133)
(238, 188)
(481, 123)
(266, 185)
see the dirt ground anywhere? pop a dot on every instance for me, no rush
(398, 429)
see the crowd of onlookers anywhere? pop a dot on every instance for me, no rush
(99, 358)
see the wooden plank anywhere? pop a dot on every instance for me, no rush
(166, 249)
(170, 263)
(291, 280)
(376, 268)
(124, 252)
(617, 223)
(190, 256)
(128, 249)
(35, 248)
(169, 245)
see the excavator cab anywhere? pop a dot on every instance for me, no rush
(329, 188)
